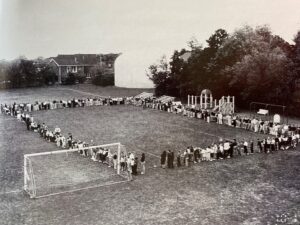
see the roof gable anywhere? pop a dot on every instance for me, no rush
(84, 59)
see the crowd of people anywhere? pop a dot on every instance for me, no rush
(228, 149)
(253, 124)
(128, 163)
(17, 109)
(283, 136)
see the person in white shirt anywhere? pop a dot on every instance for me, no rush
(245, 147)
(110, 159)
(220, 118)
(220, 151)
(58, 138)
(297, 138)
(130, 162)
(57, 130)
(294, 141)
(226, 149)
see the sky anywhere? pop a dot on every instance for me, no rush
(142, 30)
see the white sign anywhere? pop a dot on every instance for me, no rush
(276, 118)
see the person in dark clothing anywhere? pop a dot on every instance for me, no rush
(169, 158)
(259, 145)
(163, 158)
(265, 146)
(276, 143)
(233, 146)
(172, 160)
(251, 147)
(196, 155)
(135, 166)
(178, 159)
(27, 123)
(143, 162)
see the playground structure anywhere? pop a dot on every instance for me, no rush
(225, 105)
(271, 112)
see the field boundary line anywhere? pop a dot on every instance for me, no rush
(10, 192)
(80, 189)
(83, 92)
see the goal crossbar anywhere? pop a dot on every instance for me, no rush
(70, 150)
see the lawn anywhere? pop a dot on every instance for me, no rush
(255, 189)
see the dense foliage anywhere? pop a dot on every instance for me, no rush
(101, 77)
(25, 73)
(251, 64)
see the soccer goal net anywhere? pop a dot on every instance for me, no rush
(56, 172)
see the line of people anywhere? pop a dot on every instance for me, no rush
(227, 149)
(237, 121)
(17, 109)
(106, 156)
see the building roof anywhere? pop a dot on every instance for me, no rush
(84, 59)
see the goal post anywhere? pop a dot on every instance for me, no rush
(29, 180)
(53, 172)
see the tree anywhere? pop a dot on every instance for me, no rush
(99, 77)
(47, 75)
(296, 55)
(160, 75)
(203, 69)
(257, 66)
(251, 64)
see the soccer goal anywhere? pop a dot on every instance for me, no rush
(56, 172)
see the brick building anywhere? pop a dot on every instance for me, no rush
(82, 64)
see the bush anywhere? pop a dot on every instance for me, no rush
(70, 79)
(80, 77)
(74, 78)
(104, 80)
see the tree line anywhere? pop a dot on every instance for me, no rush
(252, 64)
(22, 72)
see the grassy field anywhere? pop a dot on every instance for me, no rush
(255, 189)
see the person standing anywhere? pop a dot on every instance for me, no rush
(259, 145)
(163, 159)
(265, 145)
(246, 147)
(115, 161)
(178, 159)
(169, 159)
(172, 157)
(129, 169)
(251, 147)
(135, 166)
(233, 147)
(143, 163)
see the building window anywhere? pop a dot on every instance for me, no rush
(71, 69)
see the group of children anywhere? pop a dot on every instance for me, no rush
(236, 121)
(285, 137)
(228, 149)
(17, 109)
(128, 163)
